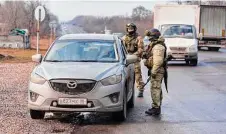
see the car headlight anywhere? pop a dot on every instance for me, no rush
(37, 76)
(111, 80)
(193, 48)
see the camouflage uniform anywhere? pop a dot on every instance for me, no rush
(134, 45)
(154, 63)
(156, 54)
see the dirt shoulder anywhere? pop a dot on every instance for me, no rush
(17, 55)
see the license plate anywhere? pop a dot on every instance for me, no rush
(72, 101)
(212, 42)
(178, 56)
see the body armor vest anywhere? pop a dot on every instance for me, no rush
(131, 43)
(149, 62)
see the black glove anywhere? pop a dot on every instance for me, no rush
(149, 72)
(144, 56)
(153, 76)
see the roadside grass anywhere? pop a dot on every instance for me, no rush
(24, 55)
(18, 55)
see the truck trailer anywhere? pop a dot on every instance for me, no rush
(211, 26)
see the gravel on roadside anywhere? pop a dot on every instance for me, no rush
(14, 116)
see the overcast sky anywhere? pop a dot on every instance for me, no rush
(67, 10)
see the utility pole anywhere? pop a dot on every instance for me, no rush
(52, 25)
(39, 16)
(54, 33)
(51, 34)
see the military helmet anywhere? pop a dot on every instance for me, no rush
(131, 25)
(154, 33)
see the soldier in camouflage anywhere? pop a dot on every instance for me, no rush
(134, 45)
(155, 56)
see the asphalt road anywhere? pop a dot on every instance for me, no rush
(195, 104)
(71, 29)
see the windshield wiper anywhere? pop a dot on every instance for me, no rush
(107, 61)
(53, 60)
(87, 61)
(80, 61)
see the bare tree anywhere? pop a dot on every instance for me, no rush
(140, 13)
(29, 11)
(20, 14)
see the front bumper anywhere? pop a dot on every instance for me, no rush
(99, 97)
(184, 56)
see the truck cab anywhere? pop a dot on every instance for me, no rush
(181, 41)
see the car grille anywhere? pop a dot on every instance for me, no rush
(83, 86)
(178, 48)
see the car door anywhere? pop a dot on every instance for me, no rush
(129, 73)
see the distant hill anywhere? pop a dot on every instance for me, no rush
(142, 17)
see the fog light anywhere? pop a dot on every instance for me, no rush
(33, 96)
(114, 97)
(89, 104)
(54, 103)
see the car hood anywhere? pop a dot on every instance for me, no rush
(179, 42)
(78, 70)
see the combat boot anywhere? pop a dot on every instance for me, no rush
(153, 111)
(140, 94)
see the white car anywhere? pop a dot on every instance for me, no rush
(83, 73)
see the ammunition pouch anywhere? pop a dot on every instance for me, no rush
(132, 48)
(149, 62)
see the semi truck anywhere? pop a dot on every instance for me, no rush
(211, 26)
(187, 28)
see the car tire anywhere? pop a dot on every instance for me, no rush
(132, 99)
(194, 62)
(216, 49)
(121, 115)
(57, 115)
(187, 62)
(213, 48)
(37, 114)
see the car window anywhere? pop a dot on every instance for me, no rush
(75, 50)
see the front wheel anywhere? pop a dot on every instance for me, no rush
(213, 48)
(187, 62)
(132, 99)
(121, 115)
(194, 62)
(37, 114)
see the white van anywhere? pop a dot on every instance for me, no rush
(177, 24)
(181, 41)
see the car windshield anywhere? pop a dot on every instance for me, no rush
(82, 51)
(181, 31)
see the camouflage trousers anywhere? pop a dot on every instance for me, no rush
(138, 76)
(156, 90)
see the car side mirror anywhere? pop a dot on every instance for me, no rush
(130, 59)
(37, 58)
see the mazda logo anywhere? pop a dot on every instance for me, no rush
(72, 84)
